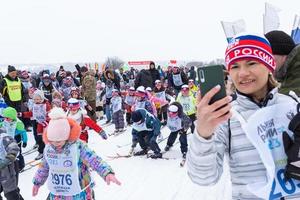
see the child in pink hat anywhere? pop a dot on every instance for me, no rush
(66, 162)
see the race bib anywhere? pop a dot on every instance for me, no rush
(140, 127)
(130, 100)
(174, 124)
(161, 95)
(116, 104)
(63, 176)
(264, 129)
(108, 92)
(177, 79)
(186, 104)
(39, 112)
(140, 104)
(10, 127)
(2, 149)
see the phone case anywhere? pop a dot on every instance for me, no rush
(209, 77)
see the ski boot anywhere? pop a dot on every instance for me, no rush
(156, 155)
(141, 153)
(167, 148)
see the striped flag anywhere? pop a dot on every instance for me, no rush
(233, 28)
(271, 18)
(296, 30)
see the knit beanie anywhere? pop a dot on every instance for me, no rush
(281, 43)
(11, 68)
(10, 113)
(136, 116)
(250, 46)
(59, 127)
(39, 93)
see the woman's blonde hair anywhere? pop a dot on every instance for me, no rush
(272, 83)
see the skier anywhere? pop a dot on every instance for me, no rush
(147, 127)
(117, 110)
(67, 162)
(188, 102)
(80, 116)
(8, 167)
(15, 128)
(39, 114)
(129, 102)
(178, 123)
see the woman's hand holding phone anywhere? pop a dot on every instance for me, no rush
(210, 116)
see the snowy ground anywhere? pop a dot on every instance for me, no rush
(142, 178)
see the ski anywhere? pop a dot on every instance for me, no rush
(31, 162)
(119, 156)
(29, 152)
(30, 165)
(182, 163)
(163, 157)
(124, 145)
(116, 133)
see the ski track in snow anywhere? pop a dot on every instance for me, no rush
(142, 178)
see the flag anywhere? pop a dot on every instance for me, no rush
(233, 28)
(96, 66)
(296, 30)
(271, 18)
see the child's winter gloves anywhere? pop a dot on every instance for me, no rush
(103, 134)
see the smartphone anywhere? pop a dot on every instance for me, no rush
(210, 76)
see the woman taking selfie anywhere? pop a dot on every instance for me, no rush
(248, 130)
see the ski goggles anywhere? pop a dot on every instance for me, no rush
(74, 106)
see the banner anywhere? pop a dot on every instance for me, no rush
(271, 18)
(296, 30)
(233, 28)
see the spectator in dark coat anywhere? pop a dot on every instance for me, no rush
(193, 74)
(143, 78)
(287, 57)
(154, 73)
(177, 79)
(114, 77)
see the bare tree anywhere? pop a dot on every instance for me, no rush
(113, 63)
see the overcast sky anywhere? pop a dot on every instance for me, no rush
(51, 31)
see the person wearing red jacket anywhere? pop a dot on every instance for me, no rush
(76, 113)
(39, 114)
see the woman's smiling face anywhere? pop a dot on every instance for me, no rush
(249, 77)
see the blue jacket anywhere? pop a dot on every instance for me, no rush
(151, 121)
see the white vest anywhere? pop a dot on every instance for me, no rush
(264, 130)
(116, 104)
(174, 123)
(78, 117)
(39, 112)
(140, 104)
(130, 100)
(2, 148)
(10, 128)
(161, 95)
(63, 176)
(177, 79)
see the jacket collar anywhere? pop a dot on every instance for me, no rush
(249, 103)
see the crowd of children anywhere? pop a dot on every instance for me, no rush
(60, 118)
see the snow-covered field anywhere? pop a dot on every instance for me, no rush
(142, 178)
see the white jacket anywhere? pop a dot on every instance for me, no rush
(205, 157)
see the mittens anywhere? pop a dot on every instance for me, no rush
(44, 124)
(24, 144)
(4, 163)
(103, 135)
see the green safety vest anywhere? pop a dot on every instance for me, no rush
(14, 89)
